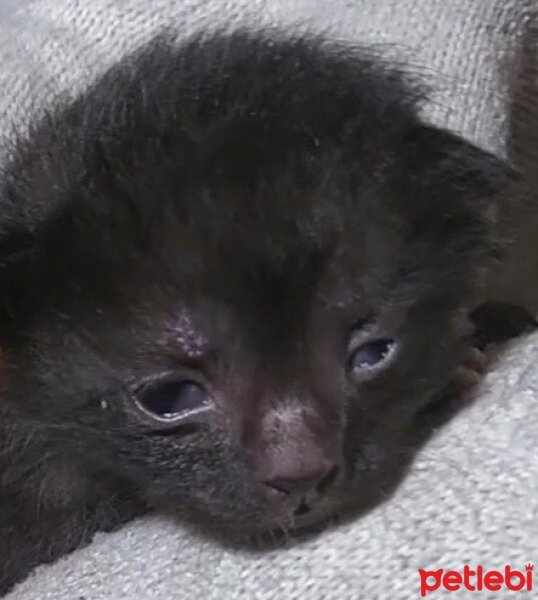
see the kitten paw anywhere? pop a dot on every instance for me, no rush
(471, 371)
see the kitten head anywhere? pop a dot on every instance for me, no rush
(233, 274)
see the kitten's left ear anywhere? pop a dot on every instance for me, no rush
(450, 167)
(453, 197)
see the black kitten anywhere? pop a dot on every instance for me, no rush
(232, 274)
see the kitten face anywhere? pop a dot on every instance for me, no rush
(229, 410)
(238, 298)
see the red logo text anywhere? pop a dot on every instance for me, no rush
(476, 580)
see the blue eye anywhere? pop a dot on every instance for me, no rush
(171, 399)
(371, 354)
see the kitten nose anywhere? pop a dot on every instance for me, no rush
(304, 483)
(296, 455)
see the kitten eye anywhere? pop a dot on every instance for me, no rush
(169, 400)
(371, 354)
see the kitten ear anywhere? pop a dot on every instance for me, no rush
(452, 198)
(440, 158)
(447, 179)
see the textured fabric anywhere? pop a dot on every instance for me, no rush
(472, 495)
(52, 47)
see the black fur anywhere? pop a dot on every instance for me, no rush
(274, 193)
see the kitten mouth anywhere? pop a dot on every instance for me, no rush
(309, 519)
(305, 517)
(302, 510)
(298, 526)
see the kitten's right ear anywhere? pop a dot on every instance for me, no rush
(14, 244)
(18, 252)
